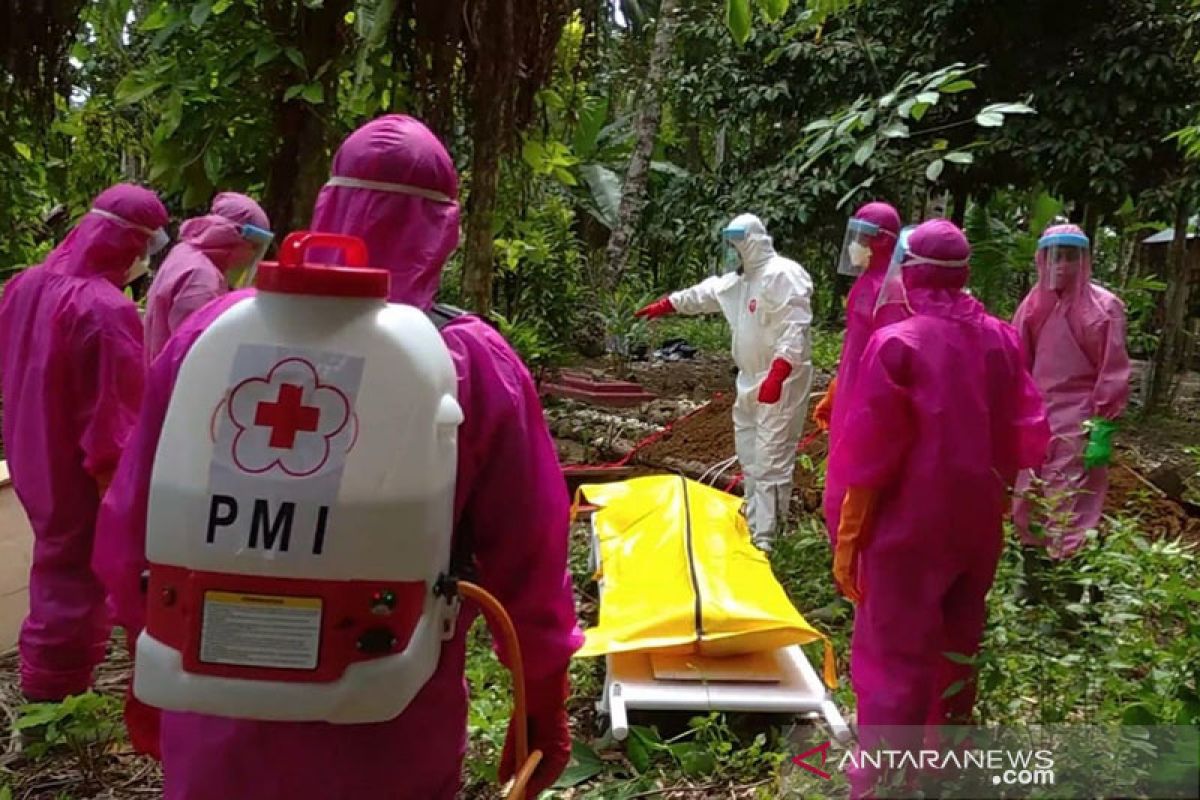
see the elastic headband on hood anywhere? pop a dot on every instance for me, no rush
(395, 188)
(869, 228)
(158, 237)
(913, 260)
(1063, 240)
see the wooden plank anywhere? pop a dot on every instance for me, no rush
(749, 668)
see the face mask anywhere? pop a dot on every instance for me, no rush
(860, 255)
(137, 269)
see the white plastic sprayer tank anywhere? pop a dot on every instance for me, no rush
(301, 503)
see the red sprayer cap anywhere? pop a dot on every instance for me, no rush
(293, 275)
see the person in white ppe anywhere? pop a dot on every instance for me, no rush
(767, 301)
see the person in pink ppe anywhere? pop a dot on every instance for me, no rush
(71, 377)
(1073, 332)
(945, 414)
(870, 241)
(394, 185)
(212, 249)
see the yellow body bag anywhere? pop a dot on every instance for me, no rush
(681, 575)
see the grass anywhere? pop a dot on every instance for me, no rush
(1129, 653)
(710, 334)
(1126, 651)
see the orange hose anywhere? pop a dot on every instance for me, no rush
(502, 627)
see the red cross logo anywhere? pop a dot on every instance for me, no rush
(287, 416)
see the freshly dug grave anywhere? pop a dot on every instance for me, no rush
(706, 438)
(1160, 516)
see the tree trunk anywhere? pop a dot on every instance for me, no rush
(301, 164)
(645, 126)
(960, 198)
(491, 106)
(1171, 345)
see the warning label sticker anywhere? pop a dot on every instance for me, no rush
(254, 630)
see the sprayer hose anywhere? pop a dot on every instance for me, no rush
(502, 628)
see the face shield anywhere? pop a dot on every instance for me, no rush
(1064, 254)
(731, 258)
(892, 290)
(856, 246)
(259, 240)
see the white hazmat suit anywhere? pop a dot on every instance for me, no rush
(767, 303)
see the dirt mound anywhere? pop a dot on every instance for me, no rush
(706, 438)
(1161, 517)
(698, 378)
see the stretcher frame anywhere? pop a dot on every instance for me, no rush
(630, 685)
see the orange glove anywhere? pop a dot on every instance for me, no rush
(548, 731)
(823, 413)
(659, 308)
(853, 532)
(772, 386)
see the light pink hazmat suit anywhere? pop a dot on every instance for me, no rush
(860, 324)
(945, 416)
(195, 270)
(511, 506)
(1075, 344)
(71, 376)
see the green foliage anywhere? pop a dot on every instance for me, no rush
(1127, 648)
(826, 348)
(490, 709)
(708, 334)
(1004, 236)
(84, 726)
(876, 135)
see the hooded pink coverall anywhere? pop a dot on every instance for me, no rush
(71, 376)
(945, 416)
(194, 271)
(1075, 345)
(511, 505)
(860, 324)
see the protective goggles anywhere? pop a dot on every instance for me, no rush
(733, 234)
(158, 237)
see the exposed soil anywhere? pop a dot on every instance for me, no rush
(698, 378)
(110, 770)
(706, 438)
(1161, 517)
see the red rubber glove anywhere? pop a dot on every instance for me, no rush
(659, 308)
(548, 732)
(823, 413)
(772, 385)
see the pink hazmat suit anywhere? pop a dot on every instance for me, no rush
(945, 415)
(196, 269)
(1074, 339)
(860, 324)
(71, 376)
(511, 510)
